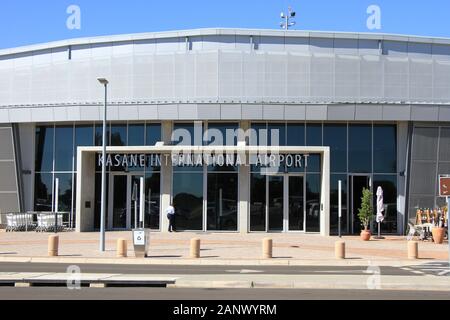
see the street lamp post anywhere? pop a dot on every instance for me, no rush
(104, 82)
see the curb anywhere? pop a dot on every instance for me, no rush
(216, 262)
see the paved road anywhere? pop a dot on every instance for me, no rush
(192, 269)
(45, 293)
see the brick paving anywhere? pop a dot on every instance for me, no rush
(226, 246)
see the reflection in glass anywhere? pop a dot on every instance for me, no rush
(221, 134)
(152, 200)
(120, 202)
(136, 134)
(314, 134)
(276, 203)
(188, 200)
(257, 202)
(43, 191)
(314, 163)
(83, 138)
(296, 203)
(119, 135)
(389, 185)
(44, 149)
(295, 134)
(98, 198)
(190, 134)
(259, 135)
(135, 201)
(63, 148)
(360, 148)
(335, 136)
(222, 201)
(65, 192)
(385, 148)
(277, 134)
(99, 134)
(152, 133)
(313, 203)
(334, 201)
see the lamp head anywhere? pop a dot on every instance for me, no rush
(103, 81)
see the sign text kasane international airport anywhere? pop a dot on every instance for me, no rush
(189, 159)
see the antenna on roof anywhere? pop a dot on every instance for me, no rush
(287, 23)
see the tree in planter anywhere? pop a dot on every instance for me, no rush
(365, 213)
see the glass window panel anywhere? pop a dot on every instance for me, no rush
(152, 133)
(98, 199)
(99, 134)
(259, 136)
(119, 201)
(136, 134)
(152, 200)
(119, 135)
(334, 213)
(44, 149)
(360, 148)
(188, 200)
(221, 134)
(222, 201)
(389, 185)
(64, 192)
(385, 148)
(335, 136)
(313, 203)
(277, 134)
(190, 134)
(63, 148)
(295, 134)
(257, 202)
(314, 134)
(296, 203)
(83, 138)
(314, 163)
(276, 203)
(43, 191)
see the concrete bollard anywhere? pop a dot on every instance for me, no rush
(122, 248)
(267, 248)
(195, 248)
(413, 250)
(53, 246)
(339, 249)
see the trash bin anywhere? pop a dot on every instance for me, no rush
(141, 242)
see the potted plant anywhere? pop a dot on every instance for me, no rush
(365, 214)
(438, 230)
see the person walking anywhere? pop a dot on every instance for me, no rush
(170, 211)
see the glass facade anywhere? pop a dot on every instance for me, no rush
(206, 198)
(56, 158)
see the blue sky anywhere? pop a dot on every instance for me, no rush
(25, 22)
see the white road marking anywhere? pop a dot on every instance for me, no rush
(244, 271)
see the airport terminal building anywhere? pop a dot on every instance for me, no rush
(366, 109)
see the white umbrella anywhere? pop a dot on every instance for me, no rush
(380, 205)
(380, 210)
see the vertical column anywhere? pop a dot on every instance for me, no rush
(402, 159)
(166, 176)
(85, 191)
(325, 194)
(244, 187)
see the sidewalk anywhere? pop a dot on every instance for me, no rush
(217, 248)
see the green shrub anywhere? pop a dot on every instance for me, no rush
(365, 213)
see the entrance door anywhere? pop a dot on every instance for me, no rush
(275, 204)
(296, 203)
(357, 183)
(124, 194)
(286, 203)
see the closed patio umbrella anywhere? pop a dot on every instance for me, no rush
(380, 210)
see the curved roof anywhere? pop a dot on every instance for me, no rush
(224, 31)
